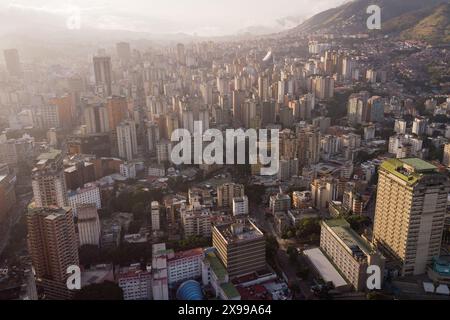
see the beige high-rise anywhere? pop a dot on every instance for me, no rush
(226, 192)
(53, 247)
(410, 212)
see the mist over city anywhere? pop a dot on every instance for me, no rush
(252, 156)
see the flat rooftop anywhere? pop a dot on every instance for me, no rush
(216, 265)
(324, 267)
(237, 232)
(50, 155)
(409, 170)
(343, 230)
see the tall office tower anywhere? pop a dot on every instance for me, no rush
(240, 246)
(446, 157)
(123, 52)
(152, 134)
(52, 244)
(181, 55)
(263, 87)
(155, 216)
(226, 192)
(419, 126)
(117, 110)
(96, 118)
(88, 224)
(49, 186)
(103, 74)
(127, 140)
(13, 62)
(410, 212)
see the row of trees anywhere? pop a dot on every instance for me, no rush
(307, 230)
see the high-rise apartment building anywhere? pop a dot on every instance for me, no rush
(155, 216)
(226, 192)
(196, 220)
(48, 183)
(88, 223)
(103, 74)
(410, 212)
(117, 110)
(52, 244)
(13, 62)
(446, 157)
(350, 253)
(127, 140)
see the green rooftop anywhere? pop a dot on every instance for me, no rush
(230, 290)
(216, 265)
(409, 170)
(419, 165)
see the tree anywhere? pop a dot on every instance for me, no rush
(307, 227)
(292, 253)
(100, 291)
(138, 211)
(358, 223)
(272, 247)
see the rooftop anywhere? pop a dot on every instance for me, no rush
(216, 265)
(239, 231)
(351, 239)
(50, 155)
(409, 170)
(230, 290)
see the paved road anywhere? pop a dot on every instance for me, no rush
(258, 214)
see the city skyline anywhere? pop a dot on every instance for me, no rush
(198, 17)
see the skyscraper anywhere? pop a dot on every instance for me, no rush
(103, 73)
(127, 140)
(49, 186)
(117, 110)
(53, 248)
(13, 62)
(410, 212)
(123, 51)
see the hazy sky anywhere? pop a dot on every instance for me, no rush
(204, 17)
